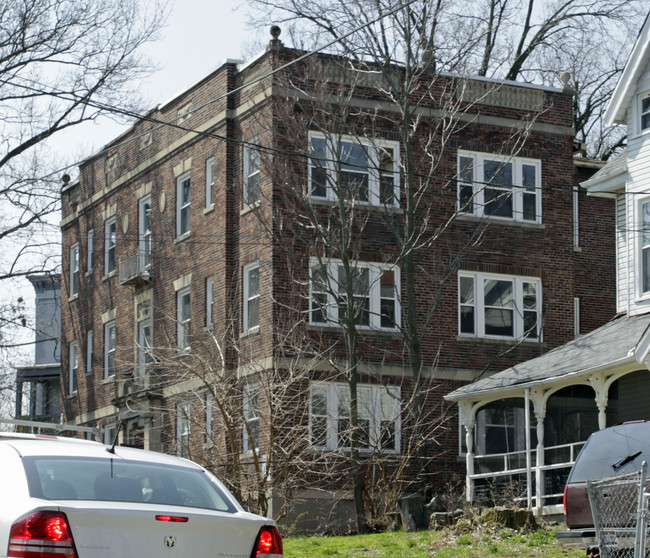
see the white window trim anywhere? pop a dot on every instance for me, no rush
(183, 322)
(209, 302)
(180, 207)
(641, 295)
(639, 113)
(73, 367)
(253, 145)
(331, 309)
(110, 247)
(145, 238)
(90, 253)
(251, 415)
(479, 305)
(247, 296)
(109, 351)
(183, 428)
(479, 185)
(374, 404)
(75, 269)
(143, 352)
(209, 182)
(209, 417)
(90, 349)
(332, 163)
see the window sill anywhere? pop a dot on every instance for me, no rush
(89, 272)
(248, 208)
(359, 205)
(496, 221)
(361, 330)
(208, 209)
(577, 249)
(250, 332)
(183, 237)
(500, 341)
(73, 297)
(109, 276)
(109, 380)
(72, 395)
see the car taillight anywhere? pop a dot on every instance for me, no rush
(564, 498)
(43, 534)
(269, 543)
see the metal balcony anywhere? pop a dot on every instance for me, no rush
(132, 272)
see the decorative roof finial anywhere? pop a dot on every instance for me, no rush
(564, 78)
(275, 43)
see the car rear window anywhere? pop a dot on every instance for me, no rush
(612, 452)
(119, 480)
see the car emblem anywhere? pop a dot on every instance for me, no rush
(170, 542)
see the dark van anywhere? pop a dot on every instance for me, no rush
(607, 453)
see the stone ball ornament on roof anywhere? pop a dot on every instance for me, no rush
(275, 32)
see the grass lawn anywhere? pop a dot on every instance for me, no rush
(478, 543)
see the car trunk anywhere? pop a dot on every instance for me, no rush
(133, 530)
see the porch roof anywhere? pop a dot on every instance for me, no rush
(624, 340)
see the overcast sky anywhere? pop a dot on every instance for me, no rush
(199, 36)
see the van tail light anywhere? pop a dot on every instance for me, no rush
(269, 543)
(42, 534)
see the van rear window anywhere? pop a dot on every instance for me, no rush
(612, 452)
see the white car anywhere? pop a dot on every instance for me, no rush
(72, 498)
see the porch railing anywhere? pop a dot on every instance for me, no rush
(504, 475)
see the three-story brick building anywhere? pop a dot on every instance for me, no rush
(255, 227)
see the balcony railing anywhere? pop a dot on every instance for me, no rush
(132, 270)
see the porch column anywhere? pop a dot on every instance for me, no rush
(539, 473)
(600, 387)
(539, 399)
(466, 416)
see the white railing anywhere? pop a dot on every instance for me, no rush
(502, 465)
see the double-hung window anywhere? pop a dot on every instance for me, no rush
(90, 351)
(499, 187)
(183, 308)
(499, 306)
(378, 417)
(367, 293)
(209, 182)
(251, 296)
(73, 357)
(90, 252)
(110, 241)
(251, 417)
(183, 205)
(144, 337)
(357, 169)
(74, 270)
(644, 107)
(144, 233)
(183, 429)
(252, 164)
(110, 349)
(209, 302)
(645, 247)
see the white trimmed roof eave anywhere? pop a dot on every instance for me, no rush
(625, 88)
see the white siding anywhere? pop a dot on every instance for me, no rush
(637, 190)
(621, 254)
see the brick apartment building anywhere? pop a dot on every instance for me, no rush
(199, 251)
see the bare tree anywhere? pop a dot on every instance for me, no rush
(62, 63)
(509, 39)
